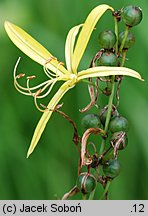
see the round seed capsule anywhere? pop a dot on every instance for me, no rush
(107, 39)
(119, 138)
(86, 182)
(112, 168)
(103, 114)
(90, 121)
(130, 40)
(119, 123)
(107, 59)
(131, 15)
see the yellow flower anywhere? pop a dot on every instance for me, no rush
(55, 70)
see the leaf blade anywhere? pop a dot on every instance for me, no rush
(86, 32)
(47, 114)
(31, 47)
(107, 71)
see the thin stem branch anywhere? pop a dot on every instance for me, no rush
(110, 102)
(116, 33)
(124, 38)
(91, 196)
(89, 83)
(112, 92)
(84, 196)
(123, 57)
(105, 190)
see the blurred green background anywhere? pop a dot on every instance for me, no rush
(52, 168)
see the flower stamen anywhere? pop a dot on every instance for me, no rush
(49, 90)
(37, 94)
(31, 77)
(35, 100)
(46, 70)
(50, 59)
(29, 90)
(19, 90)
(20, 76)
(60, 63)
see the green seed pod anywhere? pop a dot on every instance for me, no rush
(107, 59)
(86, 182)
(131, 15)
(103, 114)
(107, 39)
(112, 168)
(120, 139)
(90, 121)
(130, 40)
(118, 123)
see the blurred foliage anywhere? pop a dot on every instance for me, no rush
(52, 168)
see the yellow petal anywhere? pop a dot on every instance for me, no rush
(69, 45)
(86, 32)
(47, 114)
(107, 71)
(32, 48)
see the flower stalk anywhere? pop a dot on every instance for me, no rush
(105, 190)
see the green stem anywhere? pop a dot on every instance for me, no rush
(109, 86)
(123, 57)
(106, 123)
(112, 92)
(124, 38)
(105, 190)
(110, 102)
(91, 196)
(116, 33)
(89, 83)
(84, 196)
(111, 97)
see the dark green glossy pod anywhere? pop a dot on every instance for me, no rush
(131, 15)
(86, 182)
(107, 39)
(119, 123)
(103, 114)
(130, 40)
(90, 121)
(107, 59)
(112, 168)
